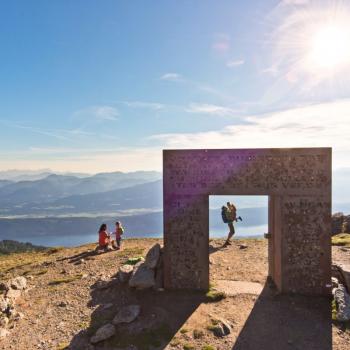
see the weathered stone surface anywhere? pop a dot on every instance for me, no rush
(152, 256)
(19, 283)
(127, 314)
(125, 272)
(298, 183)
(105, 332)
(142, 277)
(222, 328)
(342, 299)
(345, 273)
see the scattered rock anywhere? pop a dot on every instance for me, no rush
(4, 333)
(4, 286)
(62, 304)
(142, 277)
(243, 246)
(127, 314)
(152, 256)
(3, 304)
(17, 315)
(335, 282)
(221, 329)
(342, 299)
(19, 283)
(13, 294)
(125, 272)
(3, 321)
(103, 333)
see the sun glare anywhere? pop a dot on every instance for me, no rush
(330, 47)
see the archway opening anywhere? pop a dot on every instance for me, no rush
(243, 265)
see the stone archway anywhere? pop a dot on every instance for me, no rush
(298, 183)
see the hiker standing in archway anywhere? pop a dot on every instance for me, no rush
(229, 215)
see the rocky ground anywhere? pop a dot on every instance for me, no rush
(71, 293)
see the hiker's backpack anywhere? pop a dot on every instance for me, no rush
(223, 215)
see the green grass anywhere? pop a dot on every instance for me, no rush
(134, 260)
(188, 346)
(64, 280)
(197, 334)
(175, 342)
(342, 239)
(214, 296)
(334, 310)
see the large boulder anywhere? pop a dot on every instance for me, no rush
(342, 272)
(152, 256)
(342, 299)
(125, 272)
(142, 277)
(105, 332)
(127, 314)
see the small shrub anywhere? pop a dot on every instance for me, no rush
(62, 346)
(183, 330)
(342, 239)
(214, 296)
(64, 280)
(175, 342)
(188, 346)
(133, 261)
(197, 334)
(208, 347)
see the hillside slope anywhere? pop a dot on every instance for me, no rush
(71, 293)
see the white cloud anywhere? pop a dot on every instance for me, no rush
(234, 63)
(321, 125)
(204, 108)
(171, 77)
(99, 113)
(295, 2)
(89, 160)
(146, 105)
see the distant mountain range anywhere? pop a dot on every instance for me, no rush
(67, 194)
(75, 204)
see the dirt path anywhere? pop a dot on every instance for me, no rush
(68, 300)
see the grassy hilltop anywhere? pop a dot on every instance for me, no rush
(71, 295)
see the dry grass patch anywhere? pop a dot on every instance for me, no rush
(65, 280)
(342, 239)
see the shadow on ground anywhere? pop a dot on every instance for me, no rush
(162, 315)
(287, 322)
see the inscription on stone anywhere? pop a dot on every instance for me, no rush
(299, 178)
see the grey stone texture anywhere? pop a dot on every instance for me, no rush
(298, 184)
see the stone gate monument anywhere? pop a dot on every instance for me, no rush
(298, 184)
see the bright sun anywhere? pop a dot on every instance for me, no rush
(330, 47)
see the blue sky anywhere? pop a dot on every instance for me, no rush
(106, 85)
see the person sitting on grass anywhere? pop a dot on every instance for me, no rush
(119, 230)
(104, 239)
